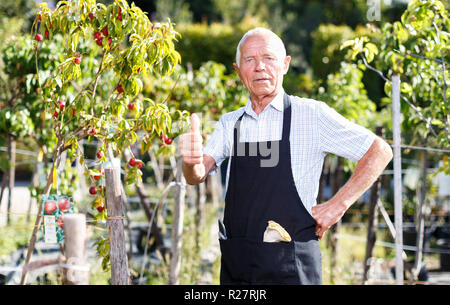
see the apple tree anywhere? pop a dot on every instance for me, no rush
(95, 90)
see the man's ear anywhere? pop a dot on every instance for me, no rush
(236, 68)
(286, 63)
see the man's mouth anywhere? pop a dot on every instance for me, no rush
(261, 79)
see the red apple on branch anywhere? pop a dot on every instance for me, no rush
(132, 162)
(105, 31)
(61, 105)
(92, 190)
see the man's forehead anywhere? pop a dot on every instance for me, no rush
(261, 44)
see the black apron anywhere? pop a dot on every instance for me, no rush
(255, 195)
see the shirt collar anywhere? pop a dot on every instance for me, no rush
(276, 103)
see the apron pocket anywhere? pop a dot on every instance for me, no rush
(274, 263)
(246, 261)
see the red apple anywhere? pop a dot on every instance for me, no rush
(100, 208)
(119, 88)
(132, 162)
(99, 155)
(131, 106)
(99, 42)
(91, 16)
(119, 14)
(139, 165)
(38, 37)
(92, 190)
(50, 207)
(97, 35)
(163, 137)
(77, 60)
(64, 204)
(168, 141)
(61, 105)
(46, 34)
(93, 131)
(105, 31)
(55, 114)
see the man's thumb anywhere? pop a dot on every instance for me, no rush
(195, 123)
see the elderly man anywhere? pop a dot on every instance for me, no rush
(277, 144)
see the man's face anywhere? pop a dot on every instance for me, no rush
(261, 70)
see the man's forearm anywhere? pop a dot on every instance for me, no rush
(369, 167)
(367, 171)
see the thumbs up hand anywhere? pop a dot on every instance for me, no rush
(190, 144)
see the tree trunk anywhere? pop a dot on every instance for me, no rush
(420, 217)
(4, 182)
(35, 183)
(12, 173)
(156, 170)
(373, 218)
(177, 226)
(200, 215)
(334, 230)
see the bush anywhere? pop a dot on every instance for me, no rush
(326, 55)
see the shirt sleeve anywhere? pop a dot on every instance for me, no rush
(342, 137)
(217, 146)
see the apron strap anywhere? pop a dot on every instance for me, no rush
(286, 118)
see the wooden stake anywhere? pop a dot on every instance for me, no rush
(397, 179)
(75, 249)
(117, 250)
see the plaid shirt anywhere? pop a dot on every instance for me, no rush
(316, 130)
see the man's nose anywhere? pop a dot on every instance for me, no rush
(260, 66)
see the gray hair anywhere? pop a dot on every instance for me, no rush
(260, 31)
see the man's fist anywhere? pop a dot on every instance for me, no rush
(190, 144)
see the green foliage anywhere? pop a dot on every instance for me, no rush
(208, 90)
(346, 94)
(325, 53)
(417, 48)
